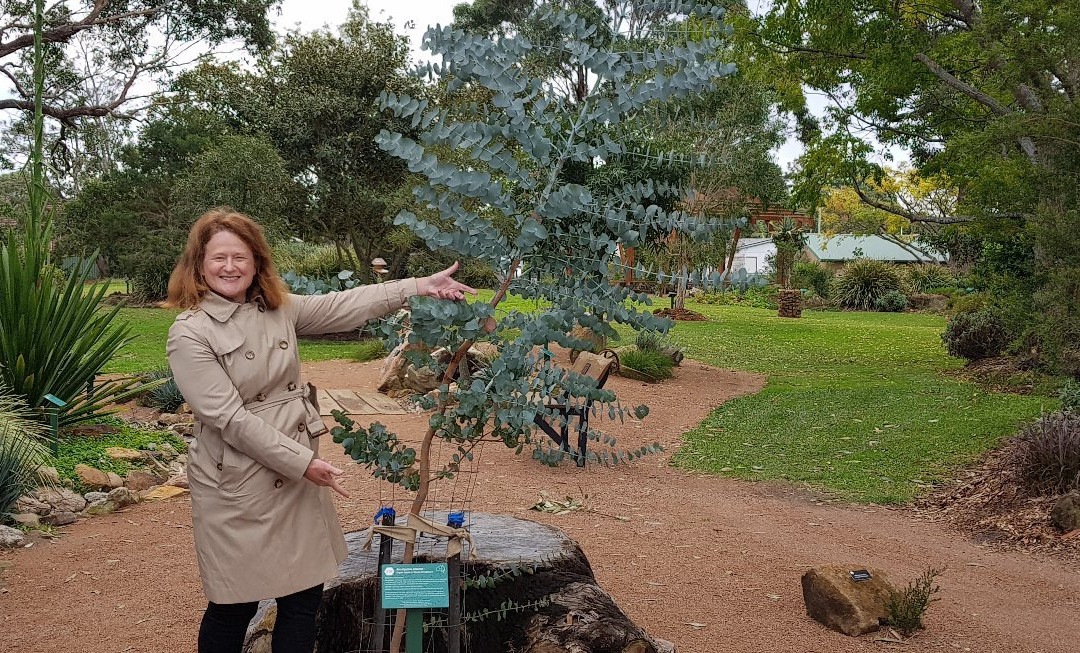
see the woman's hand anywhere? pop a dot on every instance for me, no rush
(323, 473)
(441, 285)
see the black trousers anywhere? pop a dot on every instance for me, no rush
(224, 625)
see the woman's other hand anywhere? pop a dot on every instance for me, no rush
(323, 473)
(441, 285)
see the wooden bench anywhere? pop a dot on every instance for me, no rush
(597, 367)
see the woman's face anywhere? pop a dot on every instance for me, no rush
(228, 266)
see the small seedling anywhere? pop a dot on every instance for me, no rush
(907, 607)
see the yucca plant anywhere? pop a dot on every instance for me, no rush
(54, 337)
(22, 450)
(863, 282)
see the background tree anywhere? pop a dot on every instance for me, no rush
(983, 92)
(103, 62)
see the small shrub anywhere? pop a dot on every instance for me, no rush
(1047, 454)
(862, 282)
(653, 363)
(1070, 396)
(975, 336)
(907, 607)
(812, 275)
(925, 277)
(649, 341)
(970, 303)
(369, 350)
(754, 297)
(893, 301)
(306, 259)
(165, 397)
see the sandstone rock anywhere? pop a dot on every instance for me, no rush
(95, 496)
(184, 409)
(123, 497)
(481, 354)
(123, 453)
(11, 537)
(597, 341)
(28, 519)
(62, 518)
(163, 492)
(139, 480)
(103, 507)
(168, 419)
(168, 452)
(183, 428)
(1065, 514)
(91, 477)
(61, 500)
(397, 374)
(49, 475)
(32, 504)
(180, 480)
(115, 480)
(663, 646)
(851, 607)
(176, 468)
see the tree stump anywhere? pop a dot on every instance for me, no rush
(790, 301)
(559, 606)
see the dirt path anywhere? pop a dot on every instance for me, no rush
(697, 550)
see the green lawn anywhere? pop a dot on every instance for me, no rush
(150, 328)
(856, 403)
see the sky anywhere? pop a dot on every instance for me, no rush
(313, 14)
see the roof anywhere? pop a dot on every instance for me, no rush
(847, 247)
(748, 243)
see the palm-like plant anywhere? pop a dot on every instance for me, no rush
(789, 239)
(22, 452)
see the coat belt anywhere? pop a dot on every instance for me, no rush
(276, 399)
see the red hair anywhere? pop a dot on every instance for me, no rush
(187, 286)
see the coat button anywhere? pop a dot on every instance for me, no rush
(250, 355)
(260, 397)
(279, 483)
(301, 427)
(284, 344)
(219, 467)
(292, 386)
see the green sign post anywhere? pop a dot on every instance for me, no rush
(415, 587)
(54, 419)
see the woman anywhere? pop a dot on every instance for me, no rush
(264, 522)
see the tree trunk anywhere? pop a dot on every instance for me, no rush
(731, 257)
(559, 607)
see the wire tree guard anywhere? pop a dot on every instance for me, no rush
(497, 190)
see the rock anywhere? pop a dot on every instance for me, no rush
(139, 480)
(49, 475)
(168, 452)
(481, 354)
(27, 503)
(176, 468)
(163, 492)
(123, 453)
(94, 430)
(123, 497)
(103, 507)
(184, 409)
(28, 519)
(1065, 514)
(11, 537)
(180, 480)
(851, 607)
(62, 518)
(397, 374)
(597, 341)
(61, 500)
(91, 477)
(115, 480)
(95, 496)
(183, 428)
(182, 459)
(168, 419)
(663, 646)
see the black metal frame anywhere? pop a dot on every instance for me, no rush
(562, 437)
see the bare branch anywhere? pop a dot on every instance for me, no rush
(788, 49)
(904, 213)
(963, 87)
(62, 33)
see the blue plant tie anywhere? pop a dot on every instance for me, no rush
(385, 511)
(455, 519)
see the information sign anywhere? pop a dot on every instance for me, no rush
(418, 585)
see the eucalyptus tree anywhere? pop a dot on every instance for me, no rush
(500, 196)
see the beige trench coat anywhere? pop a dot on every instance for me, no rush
(261, 529)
